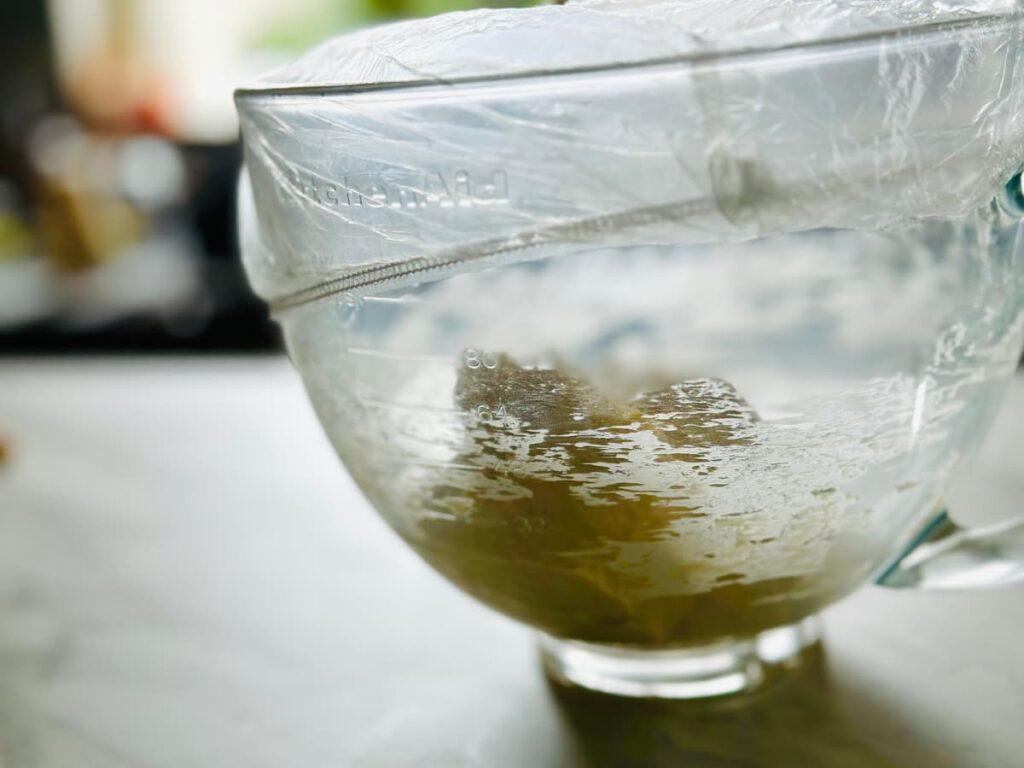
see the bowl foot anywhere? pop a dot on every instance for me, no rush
(700, 672)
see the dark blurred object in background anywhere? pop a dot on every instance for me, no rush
(119, 159)
(116, 194)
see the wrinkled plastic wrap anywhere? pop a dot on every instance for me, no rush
(499, 134)
(597, 33)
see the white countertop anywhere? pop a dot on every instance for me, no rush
(188, 579)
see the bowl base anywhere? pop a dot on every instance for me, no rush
(700, 672)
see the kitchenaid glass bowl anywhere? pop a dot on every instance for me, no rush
(661, 358)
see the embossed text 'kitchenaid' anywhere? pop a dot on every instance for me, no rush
(460, 189)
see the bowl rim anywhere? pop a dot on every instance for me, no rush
(693, 61)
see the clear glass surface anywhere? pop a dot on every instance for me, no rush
(668, 447)
(657, 352)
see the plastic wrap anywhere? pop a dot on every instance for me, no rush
(599, 33)
(398, 151)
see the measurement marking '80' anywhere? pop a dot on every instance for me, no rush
(475, 359)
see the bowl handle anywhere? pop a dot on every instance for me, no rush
(946, 556)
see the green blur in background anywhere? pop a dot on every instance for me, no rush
(338, 16)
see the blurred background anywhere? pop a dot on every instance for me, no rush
(118, 161)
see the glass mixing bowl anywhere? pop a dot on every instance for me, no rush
(664, 435)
